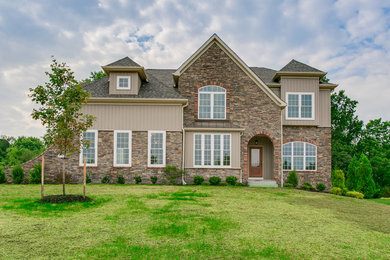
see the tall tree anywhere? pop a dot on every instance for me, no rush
(60, 100)
(95, 75)
(346, 129)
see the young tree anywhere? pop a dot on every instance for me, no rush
(60, 100)
(366, 184)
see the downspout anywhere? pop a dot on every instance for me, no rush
(183, 143)
(281, 147)
(241, 175)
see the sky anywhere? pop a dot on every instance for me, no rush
(350, 39)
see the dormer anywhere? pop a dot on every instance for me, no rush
(125, 77)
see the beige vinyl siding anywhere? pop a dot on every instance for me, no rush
(276, 91)
(189, 148)
(135, 117)
(134, 87)
(306, 85)
(324, 108)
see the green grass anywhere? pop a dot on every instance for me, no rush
(385, 201)
(197, 222)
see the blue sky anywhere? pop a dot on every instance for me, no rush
(348, 38)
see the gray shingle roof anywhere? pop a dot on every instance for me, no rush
(159, 85)
(124, 62)
(296, 66)
(264, 74)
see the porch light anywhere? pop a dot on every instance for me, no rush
(256, 142)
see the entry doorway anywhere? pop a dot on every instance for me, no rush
(256, 162)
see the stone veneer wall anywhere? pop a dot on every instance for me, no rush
(53, 164)
(247, 106)
(321, 137)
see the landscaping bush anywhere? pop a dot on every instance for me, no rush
(336, 191)
(231, 180)
(214, 180)
(292, 179)
(307, 186)
(198, 180)
(153, 179)
(121, 180)
(138, 179)
(17, 174)
(35, 174)
(355, 194)
(320, 186)
(344, 191)
(3, 178)
(172, 174)
(106, 179)
(241, 184)
(223, 184)
(338, 179)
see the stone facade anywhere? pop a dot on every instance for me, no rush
(53, 164)
(321, 137)
(247, 106)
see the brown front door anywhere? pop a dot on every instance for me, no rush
(255, 162)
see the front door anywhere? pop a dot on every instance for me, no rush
(255, 162)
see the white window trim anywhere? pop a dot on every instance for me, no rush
(123, 77)
(304, 157)
(81, 159)
(149, 149)
(300, 106)
(211, 103)
(115, 147)
(212, 151)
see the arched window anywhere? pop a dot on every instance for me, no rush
(212, 103)
(300, 156)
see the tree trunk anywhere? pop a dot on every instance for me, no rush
(84, 175)
(63, 177)
(42, 176)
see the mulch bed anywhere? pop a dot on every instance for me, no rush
(64, 199)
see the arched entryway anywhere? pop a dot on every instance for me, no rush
(260, 158)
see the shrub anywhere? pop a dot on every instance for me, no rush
(121, 180)
(386, 192)
(307, 186)
(153, 179)
(241, 184)
(17, 174)
(355, 194)
(231, 180)
(223, 184)
(198, 180)
(138, 179)
(344, 191)
(88, 177)
(338, 179)
(172, 174)
(35, 174)
(336, 191)
(320, 186)
(106, 179)
(367, 184)
(214, 180)
(3, 178)
(292, 179)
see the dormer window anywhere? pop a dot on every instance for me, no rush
(212, 102)
(123, 83)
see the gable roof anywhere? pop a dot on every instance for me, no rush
(159, 86)
(265, 74)
(124, 62)
(296, 66)
(214, 39)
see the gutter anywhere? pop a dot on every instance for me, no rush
(103, 100)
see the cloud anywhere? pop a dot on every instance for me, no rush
(347, 38)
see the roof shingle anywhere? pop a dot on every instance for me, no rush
(296, 66)
(124, 62)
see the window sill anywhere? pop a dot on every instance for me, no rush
(211, 120)
(310, 171)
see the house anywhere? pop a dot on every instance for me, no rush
(213, 116)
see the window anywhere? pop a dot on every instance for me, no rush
(300, 106)
(122, 148)
(300, 156)
(212, 102)
(212, 150)
(123, 82)
(156, 148)
(91, 152)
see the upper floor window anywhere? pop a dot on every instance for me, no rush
(212, 102)
(300, 156)
(300, 106)
(123, 82)
(91, 152)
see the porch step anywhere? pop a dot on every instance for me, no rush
(262, 183)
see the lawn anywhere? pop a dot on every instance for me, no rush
(197, 222)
